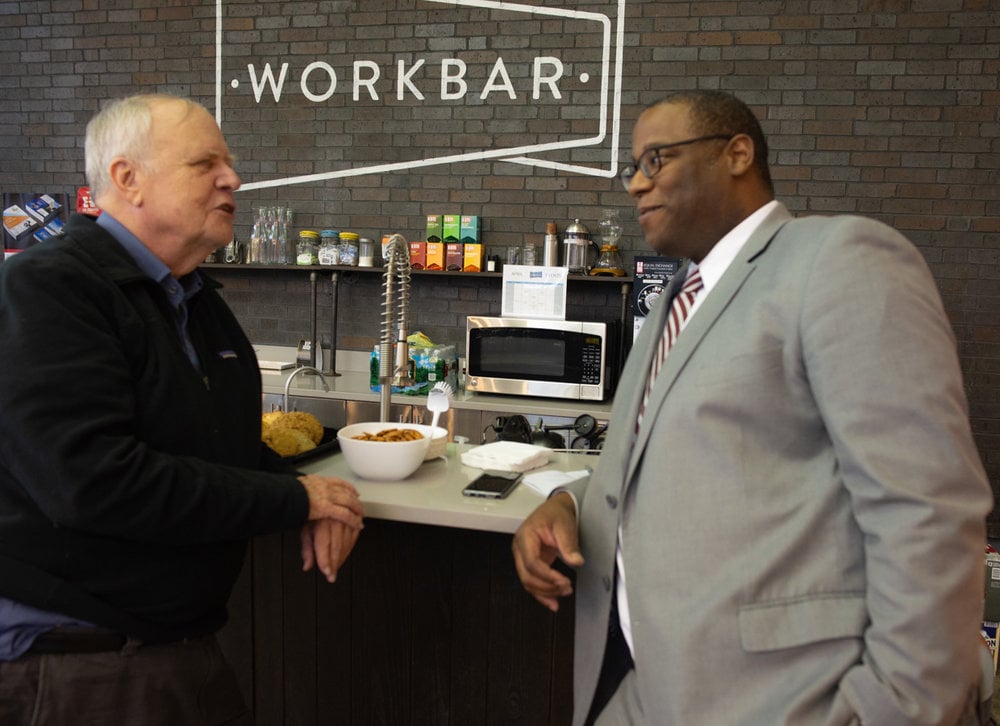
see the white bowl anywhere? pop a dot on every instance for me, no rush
(439, 443)
(383, 460)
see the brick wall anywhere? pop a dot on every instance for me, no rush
(887, 108)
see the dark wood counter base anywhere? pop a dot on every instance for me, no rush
(425, 625)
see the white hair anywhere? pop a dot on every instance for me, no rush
(120, 130)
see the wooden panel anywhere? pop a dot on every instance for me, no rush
(299, 635)
(268, 628)
(425, 625)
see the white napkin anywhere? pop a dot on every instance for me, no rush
(507, 456)
(544, 482)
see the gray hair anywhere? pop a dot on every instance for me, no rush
(120, 129)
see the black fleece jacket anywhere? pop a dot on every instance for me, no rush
(130, 481)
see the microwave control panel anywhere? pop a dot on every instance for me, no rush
(591, 368)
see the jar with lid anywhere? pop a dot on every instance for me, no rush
(307, 250)
(366, 252)
(349, 248)
(329, 247)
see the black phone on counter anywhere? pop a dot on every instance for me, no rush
(493, 484)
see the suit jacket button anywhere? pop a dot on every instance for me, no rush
(606, 581)
(612, 501)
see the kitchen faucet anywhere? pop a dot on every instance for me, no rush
(297, 371)
(394, 370)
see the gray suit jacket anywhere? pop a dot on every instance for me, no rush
(803, 507)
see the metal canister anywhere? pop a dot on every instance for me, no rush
(550, 253)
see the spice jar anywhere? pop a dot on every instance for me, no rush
(349, 248)
(329, 247)
(307, 249)
(366, 252)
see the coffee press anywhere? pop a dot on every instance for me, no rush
(576, 248)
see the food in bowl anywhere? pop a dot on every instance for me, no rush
(371, 458)
(391, 435)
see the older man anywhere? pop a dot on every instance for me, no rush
(131, 468)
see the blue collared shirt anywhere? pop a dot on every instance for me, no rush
(178, 291)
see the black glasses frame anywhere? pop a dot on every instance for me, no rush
(649, 161)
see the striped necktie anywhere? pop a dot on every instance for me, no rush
(680, 308)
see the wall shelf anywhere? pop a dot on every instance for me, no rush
(380, 270)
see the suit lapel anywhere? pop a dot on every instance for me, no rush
(717, 300)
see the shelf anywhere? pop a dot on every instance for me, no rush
(380, 270)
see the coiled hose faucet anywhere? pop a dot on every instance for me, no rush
(394, 354)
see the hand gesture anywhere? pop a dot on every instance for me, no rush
(326, 544)
(548, 532)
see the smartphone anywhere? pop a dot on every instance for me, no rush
(492, 484)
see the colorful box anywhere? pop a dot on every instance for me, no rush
(418, 255)
(17, 222)
(472, 260)
(435, 256)
(454, 256)
(469, 229)
(434, 228)
(452, 228)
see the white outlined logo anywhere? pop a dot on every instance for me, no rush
(597, 126)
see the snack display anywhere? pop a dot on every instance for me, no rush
(391, 435)
(291, 433)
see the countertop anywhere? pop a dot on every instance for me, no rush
(433, 494)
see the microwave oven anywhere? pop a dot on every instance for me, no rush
(549, 358)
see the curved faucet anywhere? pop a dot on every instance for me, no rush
(394, 370)
(297, 371)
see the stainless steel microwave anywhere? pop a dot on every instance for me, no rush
(526, 357)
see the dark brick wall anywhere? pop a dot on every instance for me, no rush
(887, 108)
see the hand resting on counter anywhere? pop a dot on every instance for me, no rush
(335, 521)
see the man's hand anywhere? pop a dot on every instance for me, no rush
(548, 532)
(326, 544)
(333, 498)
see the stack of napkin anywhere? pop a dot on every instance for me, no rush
(507, 456)
(545, 482)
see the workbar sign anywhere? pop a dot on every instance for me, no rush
(398, 86)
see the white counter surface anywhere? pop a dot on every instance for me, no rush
(433, 494)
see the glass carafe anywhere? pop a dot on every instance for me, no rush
(610, 260)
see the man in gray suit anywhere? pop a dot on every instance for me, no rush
(788, 526)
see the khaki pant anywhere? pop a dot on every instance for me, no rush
(186, 683)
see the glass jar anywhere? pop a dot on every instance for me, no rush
(366, 252)
(349, 248)
(329, 247)
(307, 250)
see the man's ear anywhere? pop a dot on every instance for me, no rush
(740, 154)
(125, 180)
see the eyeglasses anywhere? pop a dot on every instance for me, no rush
(649, 163)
